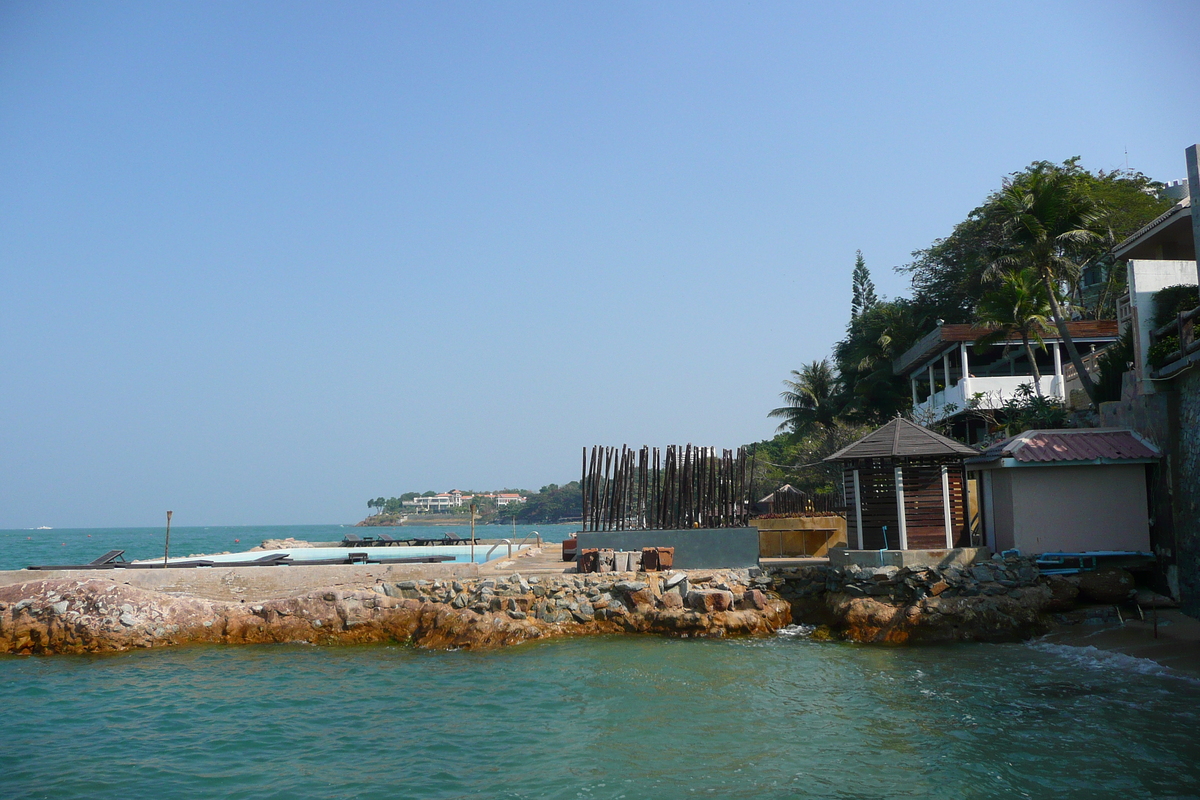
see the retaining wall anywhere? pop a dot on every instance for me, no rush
(695, 548)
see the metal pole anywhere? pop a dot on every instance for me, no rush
(167, 551)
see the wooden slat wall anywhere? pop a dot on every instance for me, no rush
(924, 516)
(851, 517)
(877, 479)
(923, 513)
(958, 508)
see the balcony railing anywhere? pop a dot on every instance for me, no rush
(992, 393)
(1172, 344)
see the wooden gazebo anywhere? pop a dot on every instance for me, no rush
(910, 480)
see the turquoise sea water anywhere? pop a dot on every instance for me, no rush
(615, 717)
(21, 548)
(611, 717)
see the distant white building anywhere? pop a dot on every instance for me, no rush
(441, 502)
(503, 499)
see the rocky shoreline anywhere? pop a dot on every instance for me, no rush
(92, 615)
(997, 600)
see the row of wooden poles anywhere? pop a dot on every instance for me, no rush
(687, 487)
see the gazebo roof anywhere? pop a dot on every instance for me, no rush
(902, 439)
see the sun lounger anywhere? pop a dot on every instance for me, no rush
(454, 538)
(352, 540)
(386, 540)
(110, 560)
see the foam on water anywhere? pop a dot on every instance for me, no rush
(1093, 658)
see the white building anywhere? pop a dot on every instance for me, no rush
(948, 375)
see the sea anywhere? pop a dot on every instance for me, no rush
(53, 546)
(590, 718)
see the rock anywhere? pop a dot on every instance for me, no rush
(937, 588)
(671, 599)
(982, 574)
(1150, 599)
(128, 620)
(60, 607)
(516, 614)
(755, 599)
(629, 586)
(1064, 589)
(709, 600)
(1106, 585)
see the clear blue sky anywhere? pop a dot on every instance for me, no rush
(262, 261)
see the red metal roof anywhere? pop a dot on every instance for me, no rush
(1085, 444)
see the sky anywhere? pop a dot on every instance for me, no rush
(260, 262)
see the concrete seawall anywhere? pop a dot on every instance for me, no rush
(251, 583)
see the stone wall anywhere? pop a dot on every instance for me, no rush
(1000, 599)
(1185, 474)
(93, 614)
(1155, 416)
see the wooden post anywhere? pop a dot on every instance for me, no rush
(858, 509)
(167, 551)
(946, 507)
(900, 507)
(472, 533)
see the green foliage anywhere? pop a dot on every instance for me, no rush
(1047, 224)
(811, 397)
(863, 297)
(872, 393)
(1021, 412)
(1114, 363)
(948, 276)
(1026, 411)
(800, 460)
(1171, 301)
(1162, 351)
(1017, 305)
(551, 504)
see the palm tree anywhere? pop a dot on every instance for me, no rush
(1046, 219)
(1018, 306)
(810, 399)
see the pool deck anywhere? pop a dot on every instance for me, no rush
(274, 582)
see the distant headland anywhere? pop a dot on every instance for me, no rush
(550, 504)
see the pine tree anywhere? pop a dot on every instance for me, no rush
(863, 299)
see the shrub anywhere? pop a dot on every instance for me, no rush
(1171, 301)
(1114, 363)
(1161, 351)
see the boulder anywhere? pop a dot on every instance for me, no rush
(709, 600)
(1107, 585)
(1064, 590)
